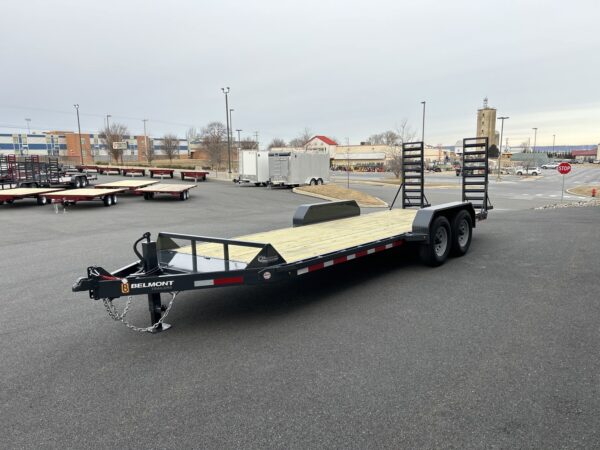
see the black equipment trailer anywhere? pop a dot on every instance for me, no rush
(35, 172)
(323, 235)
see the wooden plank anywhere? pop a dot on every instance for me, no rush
(296, 244)
(21, 192)
(167, 188)
(131, 184)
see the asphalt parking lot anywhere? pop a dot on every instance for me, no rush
(498, 349)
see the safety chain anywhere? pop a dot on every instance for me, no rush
(120, 317)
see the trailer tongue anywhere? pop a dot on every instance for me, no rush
(323, 235)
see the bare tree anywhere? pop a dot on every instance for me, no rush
(302, 138)
(213, 138)
(170, 145)
(116, 132)
(149, 150)
(276, 142)
(248, 144)
(404, 133)
(192, 136)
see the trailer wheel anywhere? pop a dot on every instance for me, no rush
(182, 196)
(114, 199)
(107, 199)
(320, 181)
(437, 248)
(42, 200)
(77, 183)
(85, 181)
(462, 233)
(313, 182)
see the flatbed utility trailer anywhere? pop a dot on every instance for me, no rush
(133, 170)
(40, 194)
(160, 171)
(107, 170)
(33, 172)
(180, 191)
(196, 175)
(72, 197)
(86, 168)
(130, 185)
(323, 235)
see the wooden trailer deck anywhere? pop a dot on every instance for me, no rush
(167, 188)
(299, 243)
(181, 191)
(132, 185)
(16, 193)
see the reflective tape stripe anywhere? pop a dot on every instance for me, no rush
(219, 281)
(343, 259)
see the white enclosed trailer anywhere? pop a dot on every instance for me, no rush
(295, 168)
(254, 167)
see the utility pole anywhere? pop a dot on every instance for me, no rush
(534, 138)
(79, 130)
(500, 150)
(423, 129)
(28, 120)
(146, 139)
(256, 139)
(226, 92)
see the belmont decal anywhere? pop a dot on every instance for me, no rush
(153, 284)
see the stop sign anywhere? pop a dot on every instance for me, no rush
(564, 168)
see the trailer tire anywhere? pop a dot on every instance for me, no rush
(437, 248)
(107, 199)
(320, 181)
(313, 182)
(462, 233)
(86, 182)
(182, 196)
(114, 199)
(42, 200)
(77, 183)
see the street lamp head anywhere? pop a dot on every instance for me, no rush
(225, 90)
(76, 105)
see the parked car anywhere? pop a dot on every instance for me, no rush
(528, 171)
(551, 165)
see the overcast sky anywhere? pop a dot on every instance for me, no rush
(345, 69)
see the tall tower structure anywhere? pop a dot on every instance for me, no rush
(486, 123)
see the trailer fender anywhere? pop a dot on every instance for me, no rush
(322, 212)
(425, 216)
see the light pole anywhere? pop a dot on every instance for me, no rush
(79, 130)
(28, 120)
(107, 122)
(239, 139)
(423, 129)
(146, 139)
(226, 92)
(500, 150)
(231, 128)
(553, 142)
(534, 138)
